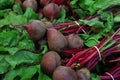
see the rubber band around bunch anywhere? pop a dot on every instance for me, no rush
(79, 25)
(98, 52)
(110, 75)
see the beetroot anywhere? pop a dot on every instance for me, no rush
(83, 74)
(36, 29)
(30, 4)
(56, 40)
(74, 41)
(44, 2)
(51, 11)
(49, 62)
(64, 73)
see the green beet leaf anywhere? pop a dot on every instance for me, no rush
(6, 4)
(22, 73)
(22, 57)
(30, 14)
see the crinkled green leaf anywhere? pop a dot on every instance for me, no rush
(9, 38)
(104, 15)
(87, 5)
(24, 73)
(30, 14)
(117, 18)
(94, 23)
(13, 18)
(22, 57)
(104, 4)
(6, 3)
(17, 8)
(4, 12)
(92, 41)
(4, 66)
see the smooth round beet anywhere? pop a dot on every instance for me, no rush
(74, 41)
(50, 61)
(64, 73)
(36, 29)
(30, 4)
(44, 2)
(56, 40)
(83, 74)
(51, 11)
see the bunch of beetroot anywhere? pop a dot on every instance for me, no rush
(67, 56)
(57, 42)
(45, 8)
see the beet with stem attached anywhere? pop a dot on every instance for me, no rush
(30, 4)
(36, 29)
(64, 73)
(51, 11)
(50, 61)
(56, 40)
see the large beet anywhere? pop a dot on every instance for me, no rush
(36, 29)
(49, 62)
(30, 4)
(74, 41)
(51, 11)
(83, 74)
(64, 73)
(56, 40)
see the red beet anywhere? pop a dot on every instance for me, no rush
(83, 74)
(50, 61)
(56, 40)
(74, 41)
(51, 11)
(44, 2)
(36, 29)
(30, 4)
(64, 73)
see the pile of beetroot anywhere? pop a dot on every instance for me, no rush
(68, 57)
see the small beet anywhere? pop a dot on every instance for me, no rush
(74, 41)
(64, 73)
(51, 11)
(56, 40)
(36, 29)
(44, 2)
(30, 4)
(83, 74)
(50, 61)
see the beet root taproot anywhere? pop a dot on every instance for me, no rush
(50, 61)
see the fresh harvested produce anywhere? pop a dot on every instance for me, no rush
(50, 61)
(36, 29)
(52, 11)
(74, 41)
(44, 2)
(56, 40)
(83, 74)
(59, 39)
(64, 73)
(30, 4)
